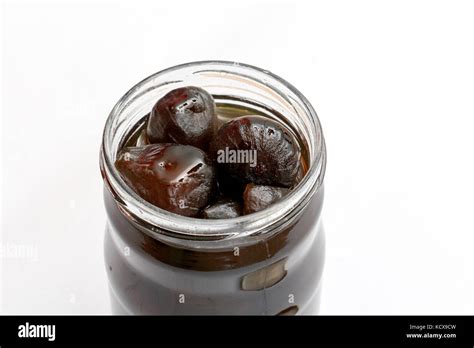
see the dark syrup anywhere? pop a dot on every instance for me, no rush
(277, 275)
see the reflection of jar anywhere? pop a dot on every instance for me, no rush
(269, 262)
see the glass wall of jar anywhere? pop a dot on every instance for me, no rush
(268, 262)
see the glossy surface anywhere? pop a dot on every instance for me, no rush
(274, 149)
(258, 197)
(185, 116)
(223, 209)
(178, 178)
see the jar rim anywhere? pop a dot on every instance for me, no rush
(157, 221)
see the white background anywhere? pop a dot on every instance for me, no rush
(392, 82)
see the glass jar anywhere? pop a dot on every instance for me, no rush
(268, 262)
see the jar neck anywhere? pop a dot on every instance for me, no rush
(238, 81)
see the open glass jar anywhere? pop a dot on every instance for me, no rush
(268, 262)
